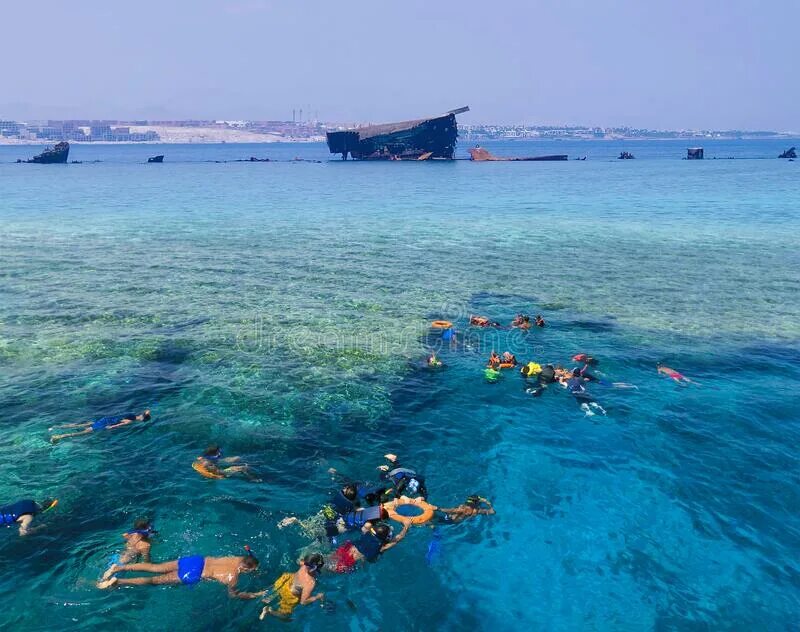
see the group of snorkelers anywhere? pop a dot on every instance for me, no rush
(360, 511)
(538, 377)
(521, 321)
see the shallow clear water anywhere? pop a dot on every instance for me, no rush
(281, 310)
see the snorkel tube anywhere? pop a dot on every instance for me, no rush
(52, 504)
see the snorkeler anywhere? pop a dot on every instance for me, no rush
(544, 376)
(434, 362)
(188, 571)
(404, 480)
(539, 321)
(473, 506)
(104, 423)
(576, 388)
(294, 589)
(494, 360)
(574, 384)
(210, 465)
(374, 541)
(137, 543)
(509, 358)
(23, 512)
(672, 373)
(482, 321)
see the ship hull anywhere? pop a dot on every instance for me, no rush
(56, 155)
(407, 140)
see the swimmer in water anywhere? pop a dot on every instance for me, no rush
(672, 373)
(545, 377)
(212, 462)
(509, 358)
(104, 423)
(434, 362)
(23, 512)
(494, 360)
(482, 321)
(404, 481)
(188, 571)
(474, 506)
(539, 322)
(137, 542)
(295, 589)
(576, 388)
(374, 542)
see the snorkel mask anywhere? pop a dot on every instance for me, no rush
(149, 531)
(215, 457)
(473, 501)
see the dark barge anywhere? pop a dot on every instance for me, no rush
(51, 155)
(420, 139)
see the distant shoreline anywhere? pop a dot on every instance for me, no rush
(13, 142)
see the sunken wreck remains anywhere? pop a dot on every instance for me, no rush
(51, 155)
(420, 139)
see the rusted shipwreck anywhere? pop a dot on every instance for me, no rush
(479, 154)
(420, 139)
(51, 155)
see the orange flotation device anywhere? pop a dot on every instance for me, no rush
(200, 467)
(426, 515)
(441, 324)
(506, 365)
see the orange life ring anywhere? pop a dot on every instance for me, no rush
(201, 469)
(425, 516)
(506, 365)
(441, 324)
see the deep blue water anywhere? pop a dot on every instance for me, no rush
(281, 309)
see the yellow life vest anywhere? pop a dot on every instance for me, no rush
(534, 369)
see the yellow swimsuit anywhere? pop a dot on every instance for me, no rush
(285, 588)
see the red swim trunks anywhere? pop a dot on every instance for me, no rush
(343, 558)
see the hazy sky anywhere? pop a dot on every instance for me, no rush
(659, 64)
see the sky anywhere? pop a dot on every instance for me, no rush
(677, 64)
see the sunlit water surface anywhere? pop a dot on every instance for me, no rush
(281, 310)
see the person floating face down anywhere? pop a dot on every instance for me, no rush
(374, 541)
(473, 506)
(405, 481)
(23, 512)
(137, 542)
(188, 571)
(212, 464)
(673, 374)
(104, 423)
(576, 388)
(295, 589)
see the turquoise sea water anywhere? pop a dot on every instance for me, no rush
(281, 310)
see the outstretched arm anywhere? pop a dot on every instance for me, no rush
(236, 594)
(306, 597)
(396, 539)
(124, 422)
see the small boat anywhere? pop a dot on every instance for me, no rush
(625, 155)
(51, 155)
(694, 153)
(156, 159)
(789, 153)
